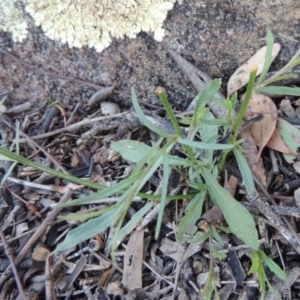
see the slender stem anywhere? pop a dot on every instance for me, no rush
(245, 103)
(11, 258)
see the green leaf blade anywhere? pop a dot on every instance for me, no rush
(236, 215)
(246, 171)
(268, 58)
(273, 266)
(194, 211)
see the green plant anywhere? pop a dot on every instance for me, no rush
(200, 164)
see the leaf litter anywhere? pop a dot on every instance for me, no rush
(162, 269)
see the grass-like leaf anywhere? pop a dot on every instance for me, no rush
(246, 171)
(199, 238)
(108, 191)
(132, 224)
(236, 215)
(273, 266)
(90, 228)
(132, 151)
(193, 212)
(205, 146)
(207, 94)
(163, 97)
(164, 191)
(280, 90)
(143, 117)
(245, 103)
(268, 58)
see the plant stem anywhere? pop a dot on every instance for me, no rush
(245, 103)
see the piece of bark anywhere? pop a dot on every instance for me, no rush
(133, 261)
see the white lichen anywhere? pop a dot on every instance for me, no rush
(94, 23)
(11, 20)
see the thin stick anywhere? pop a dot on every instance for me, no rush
(29, 139)
(51, 188)
(49, 291)
(38, 233)
(86, 121)
(11, 258)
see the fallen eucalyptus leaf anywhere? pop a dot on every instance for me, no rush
(262, 130)
(277, 143)
(241, 76)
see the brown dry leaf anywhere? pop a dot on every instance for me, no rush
(41, 254)
(172, 249)
(262, 130)
(241, 76)
(133, 261)
(276, 143)
(230, 184)
(69, 186)
(114, 288)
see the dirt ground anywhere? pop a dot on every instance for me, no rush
(216, 36)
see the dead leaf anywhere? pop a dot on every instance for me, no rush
(41, 254)
(241, 76)
(230, 184)
(296, 166)
(262, 130)
(286, 106)
(114, 288)
(172, 249)
(133, 261)
(69, 186)
(276, 143)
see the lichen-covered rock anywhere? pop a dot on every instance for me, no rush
(11, 20)
(91, 23)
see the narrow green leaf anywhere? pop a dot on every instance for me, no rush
(163, 97)
(5, 158)
(105, 193)
(8, 172)
(147, 157)
(216, 236)
(219, 255)
(246, 172)
(283, 77)
(144, 119)
(291, 137)
(205, 146)
(178, 161)
(20, 159)
(165, 180)
(132, 151)
(207, 93)
(245, 103)
(273, 266)
(255, 263)
(216, 122)
(236, 215)
(132, 224)
(89, 229)
(135, 151)
(268, 58)
(199, 238)
(194, 212)
(280, 90)
(293, 64)
(89, 215)
(209, 130)
(294, 58)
